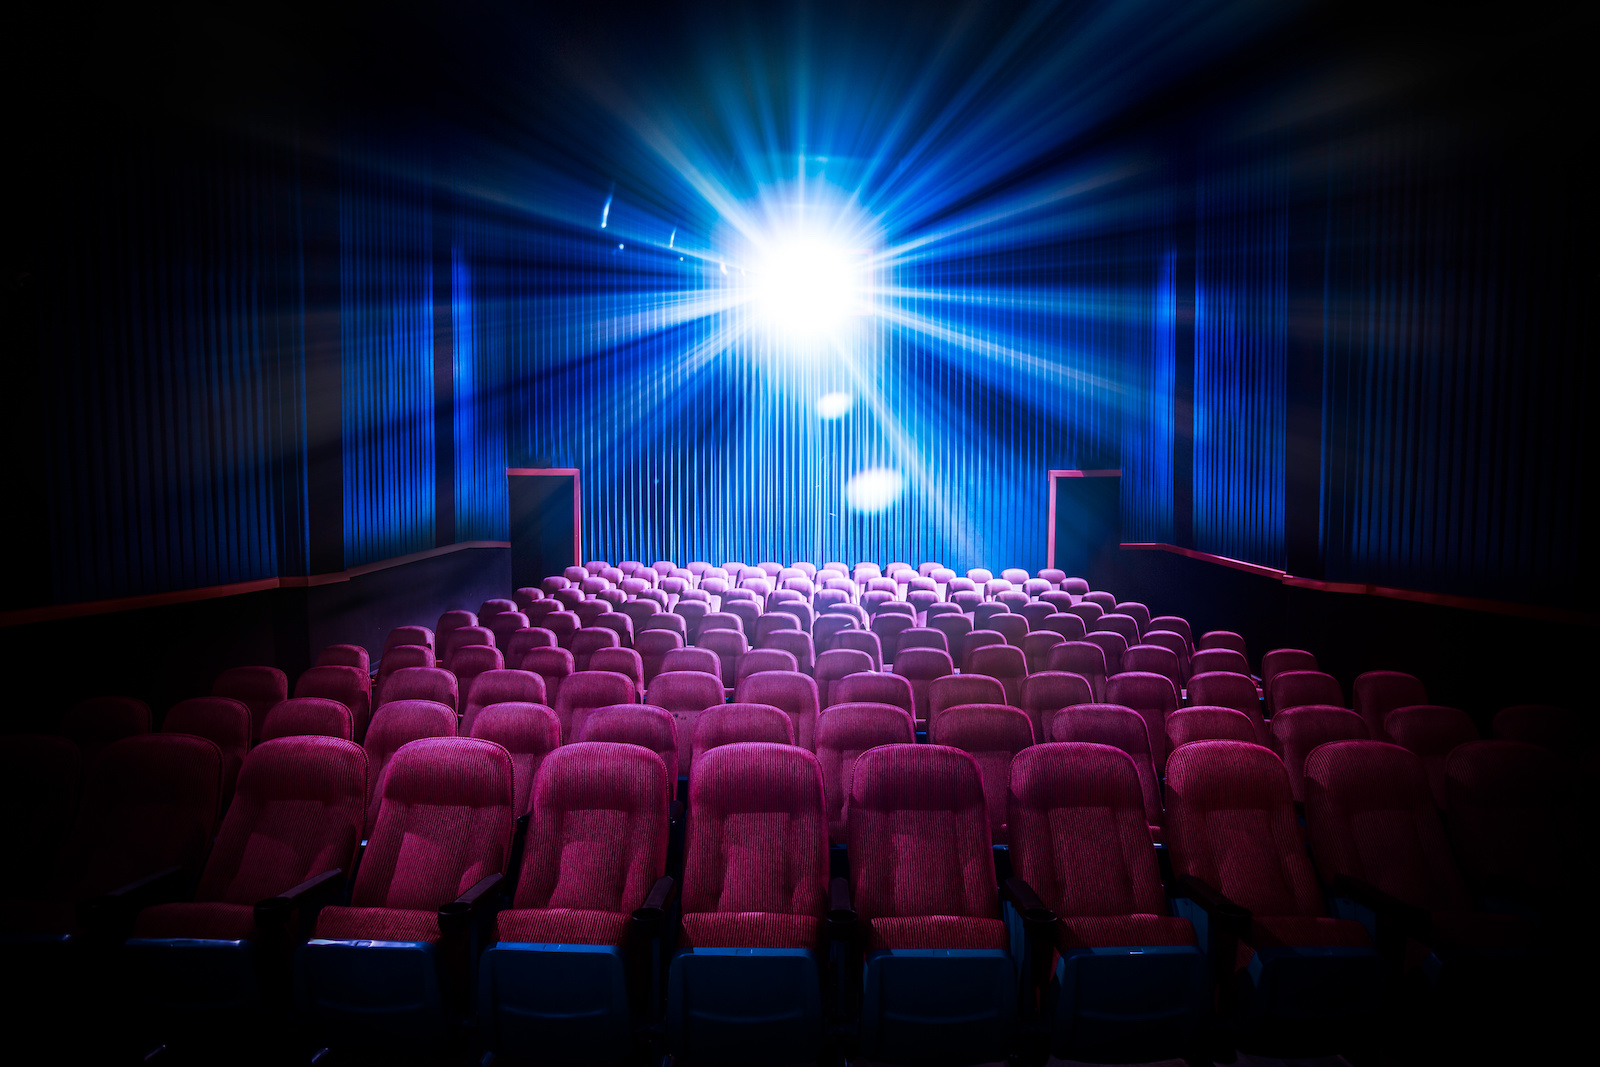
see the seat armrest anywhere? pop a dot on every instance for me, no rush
(313, 894)
(654, 908)
(107, 914)
(1215, 904)
(1034, 911)
(458, 915)
(1396, 920)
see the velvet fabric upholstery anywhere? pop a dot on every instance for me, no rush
(1047, 692)
(692, 659)
(1222, 689)
(500, 687)
(224, 722)
(1079, 838)
(553, 665)
(1431, 732)
(844, 731)
(758, 660)
(1208, 723)
(398, 658)
(1068, 625)
(584, 691)
(1296, 731)
(471, 661)
(398, 723)
(792, 692)
(445, 819)
(727, 646)
(1154, 697)
(992, 734)
(1083, 658)
(1036, 648)
(347, 656)
(257, 688)
(597, 842)
(686, 694)
(1154, 659)
(529, 733)
(589, 640)
(862, 641)
(407, 635)
(834, 665)
(737, 722)
(875, 687)
(297, 812)
(1294, 689)
(963, 689)
(422, 683)
(1219, 659)
(623, 661)
(922, 667)
(922, 870)
(309, 715)
(1222, 639)
(644, 725)
(1376, 693)
(755, 871)
(1279, 660)
(1117, 623)
(795, 642)
(1124, 729)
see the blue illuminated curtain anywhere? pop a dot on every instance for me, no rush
(699, 438)
(386, 339)
(484, 319)
(1457, 371)
(1150, 293)
(1240, 338)
(172, 341)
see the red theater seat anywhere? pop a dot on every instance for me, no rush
(1121, 728)
(844, 731)
(529, 733)
(1296, 731)
(1047, 692)
(421, 683)
(686, 694)
(585, 691)
(257, 688)
(222, 721)
(301, 716)
(874, 687)
(350, 686)
(1431, 732)
(397, 724)
(498, 687)
(992, 734)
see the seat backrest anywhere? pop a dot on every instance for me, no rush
(347, 656)
(298, 716)
(623, 661)
(1514, 815)
(422, 683)
(398, 723)
(1293, 689)
(732, 723)
(758, 835)
(1224, 689)
(1175, 624)
(1005, 663)
(1208, 723)
(653, 647)
(835, 664)
(1014, 628)
(529, 732)
(828, 625)
(1296, 731)
(296, 812)
(922, 667)
(465, 637)
(1175, 643)
(875, 687)
(597, 838)
(590, 639)
(504, 624)
(1118, 623)
(445, 819)
(1106, 601)
(1121, 728)
(1285, 659)
(918, 831)
(1068, 625)
(150, 802)
(223, 721)
(862, 641)
(692, 659)
(1431, 732)
(1231, 823)
(553, 666)
(398, 658)
(1112, 644)
(844, 731)
(1079, 836)
(924, 637)
(1036, 646)
(686, 694)
(1047, 692)
(1556, 728)
(39, 779)
(1370, 815)
(1155, 660)
(992, 734)
(963, 689)
(494, 606)
(764, 659)
(473, 660)
(1376, 693)
(582, 692)
(617, 623)
(94, 723)
(257, 688)
(1219, 659)
(727, 646)
(795, 642)
(1083, 658)
(499, 687)
(1222, 639)
(453, 620)
(407, 635)
(645, 725)
(1152, 696)
(793, 692)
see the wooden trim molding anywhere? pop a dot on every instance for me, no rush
(1448, 600)
(53, 612)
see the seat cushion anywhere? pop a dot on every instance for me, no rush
(750, 929)
(1108, 931)
(210, 921)
(1300, 931)
(378, 924)
(562, 926)
(935, 931)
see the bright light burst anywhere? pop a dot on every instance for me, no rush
(807, 285)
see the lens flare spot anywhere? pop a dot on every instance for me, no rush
(874, 489)
(834, 405)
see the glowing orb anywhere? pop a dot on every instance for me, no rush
(807, 286)
(833, 405)
(874, 489)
